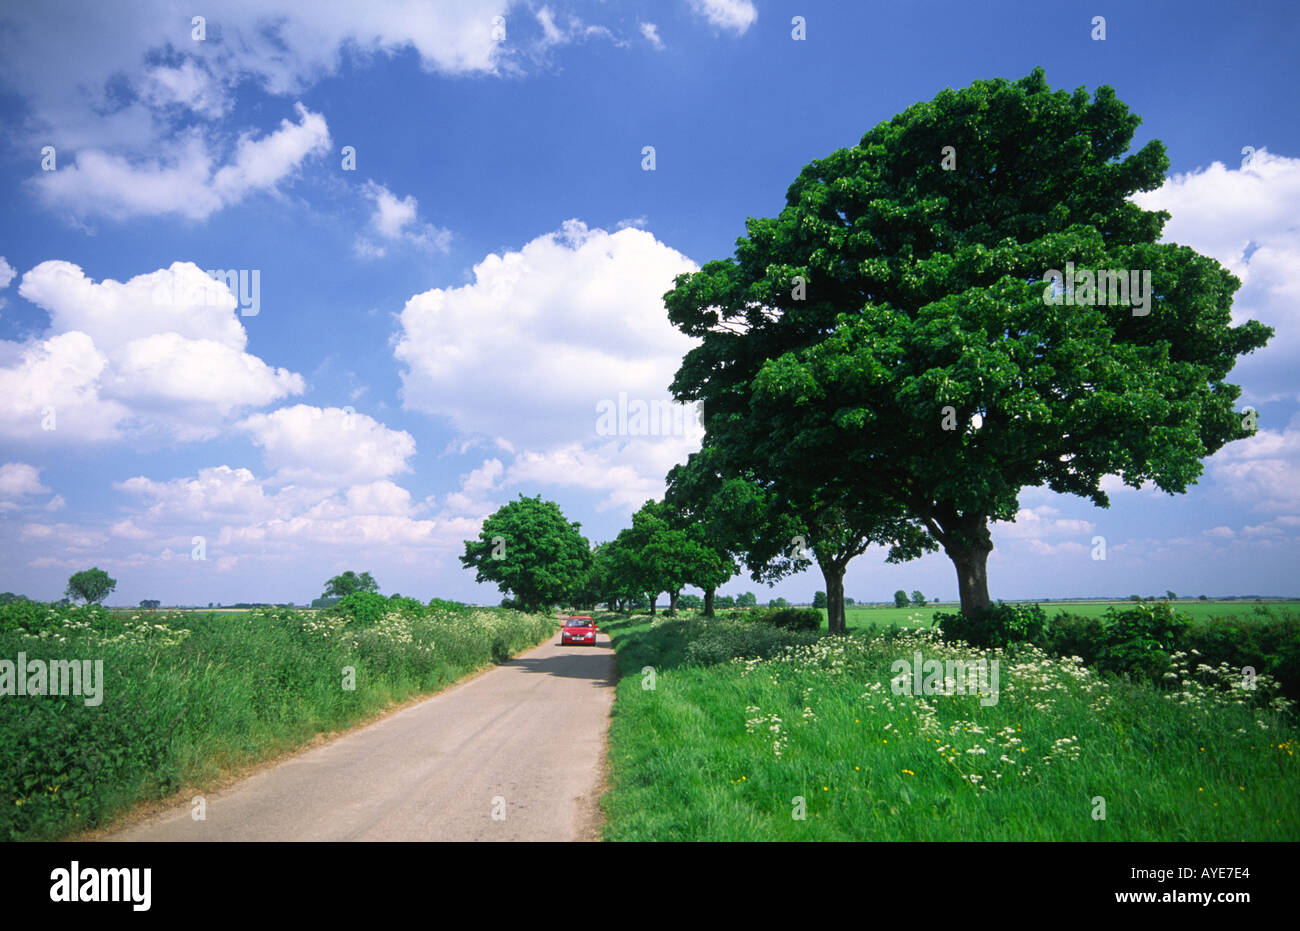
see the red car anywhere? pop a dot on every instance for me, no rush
(578, 630)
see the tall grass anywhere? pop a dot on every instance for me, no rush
(187, 699)
(739, 749)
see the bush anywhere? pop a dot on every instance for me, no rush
(1072, 635)
(725, 640)
(455, 607)
(363, 609)
(996, 626)
(795, 618)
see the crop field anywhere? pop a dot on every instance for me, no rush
(857, 617)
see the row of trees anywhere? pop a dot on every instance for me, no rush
(881, 364)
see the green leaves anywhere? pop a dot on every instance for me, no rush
(924, 379)
(529, 549)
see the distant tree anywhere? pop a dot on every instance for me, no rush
(724, 601)
(151, 604)
(530, 550)
(900, 599)
(747, 600)
(10, 598)
(1203, 598)
(1171, 596)
(1135, 597)
(917, 598)
(778, 603)
(350, 582)
(324, 602)
(849, 601)
(90, 585)
(690, 602)
(819, 600)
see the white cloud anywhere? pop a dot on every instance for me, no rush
(396, 220)
(182, 181)
(18, 480)
(7, 273)
(161, 353)
(330, 446)
(240, 517)
(735, 15)
(1034, 523)
(527, 350)
(651, 34)
(67, 58)
(1260, 471)
(524, 355)
(1246, 219)
(189, 85)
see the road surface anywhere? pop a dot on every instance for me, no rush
(515, 754)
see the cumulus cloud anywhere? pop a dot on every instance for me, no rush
(1245, 217)
(19, 481)
(240, 516)
(7, 273)
(183, 181)
(529, 348)
(1260, 472)
(397, 221)
(328, 446)
(734, 15)
(162, 352)
(528, 355)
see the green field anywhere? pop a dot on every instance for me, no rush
(812, 743)
(860, 617)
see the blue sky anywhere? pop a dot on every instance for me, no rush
(435, 328)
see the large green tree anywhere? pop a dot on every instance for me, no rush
(90, 585)
(530, 550)
(887, 344)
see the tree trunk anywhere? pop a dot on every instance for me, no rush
(672, 602)
(653, 598)
(833, 573)
(972, 576)
(708, 601)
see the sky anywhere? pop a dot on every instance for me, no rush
(443, 245)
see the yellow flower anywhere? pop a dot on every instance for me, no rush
(909, 772)
(859, 767)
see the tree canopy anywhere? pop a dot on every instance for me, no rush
(90, 585)
(530, 550)
(349, 582)
(886, 351)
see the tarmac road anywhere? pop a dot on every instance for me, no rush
(524, 741)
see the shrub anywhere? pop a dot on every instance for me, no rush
(362, 609)
(725, 640)
(996, 626)
(1072, 635)
(795, 618)
(455, 607)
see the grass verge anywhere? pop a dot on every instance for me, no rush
(801, 737)
(186, 699)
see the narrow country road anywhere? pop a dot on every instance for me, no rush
(526, 739)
